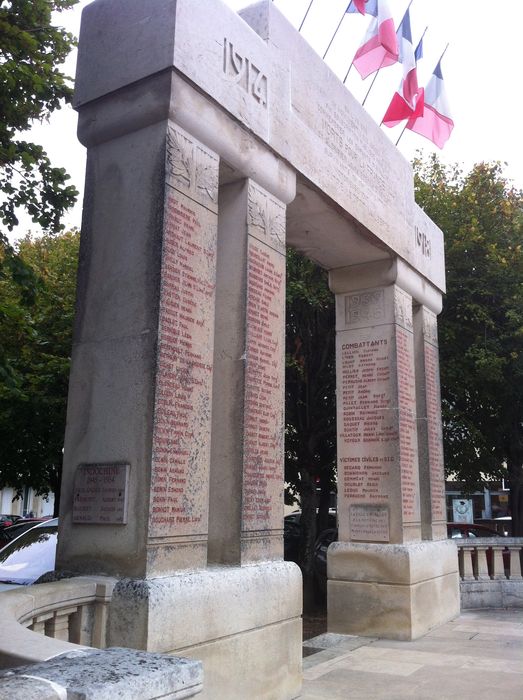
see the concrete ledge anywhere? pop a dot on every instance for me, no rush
(402, 564)
(105, 675)
(491, 594)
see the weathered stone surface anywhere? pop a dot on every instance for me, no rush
(265, 663)
(244, 623)
(391, 591)
(395, 564)
(190, 608)
(105, 675)
(491, 594)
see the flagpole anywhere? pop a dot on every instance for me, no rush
(440, 58)
(402, 132)
(339, 25)
(421, 37)
(347, 74)
(444, 52)
(303, 20)
(372, 83)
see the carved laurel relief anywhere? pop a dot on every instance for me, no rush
(365, 307)
(191, 168)
(267, 215)
(430, 327)
(403, 309)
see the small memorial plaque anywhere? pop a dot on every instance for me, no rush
(369, 523)
(100, 494)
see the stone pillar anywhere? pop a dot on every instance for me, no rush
(377, 442)
(383, 580)
(249, 377)
(430, 435)
(154, 297)
(134, 496)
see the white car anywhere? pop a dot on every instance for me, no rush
(30, 555)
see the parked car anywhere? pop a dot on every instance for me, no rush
(7, 534)
(8, 520)
(29, 556)
(291, 534)
(470, 530)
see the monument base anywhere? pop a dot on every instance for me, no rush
(244, 623)
(392, 591)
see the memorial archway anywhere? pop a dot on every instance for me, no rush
(204, 137)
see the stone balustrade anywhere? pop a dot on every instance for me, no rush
(51, 634)
(490, 571)
(42, 621)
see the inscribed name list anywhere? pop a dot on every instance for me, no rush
(435, 438)
(184, 372)
(263, 441)
(367, 425)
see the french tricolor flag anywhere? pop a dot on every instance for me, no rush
(435, 123)
(380, 45)
(405, 102)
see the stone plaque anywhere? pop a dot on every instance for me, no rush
(100, 494)
(369, 523)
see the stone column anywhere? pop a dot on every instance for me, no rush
(176, 98)
(378, 494)
(430, 436)
(134, 496)
(383, 580)
(248, 427)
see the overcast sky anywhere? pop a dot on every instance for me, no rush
(481, 69)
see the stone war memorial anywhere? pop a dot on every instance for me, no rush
(214, 141)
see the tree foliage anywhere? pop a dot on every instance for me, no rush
(31, 49)
(35, 345)
(310, 399)
(481, 326)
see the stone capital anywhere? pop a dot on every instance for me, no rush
(383, 273)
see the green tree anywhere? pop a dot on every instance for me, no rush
(36, 336)
(310, 401)
(481, 326)
(32, 87)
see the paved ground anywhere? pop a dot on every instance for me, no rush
(477, 656)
